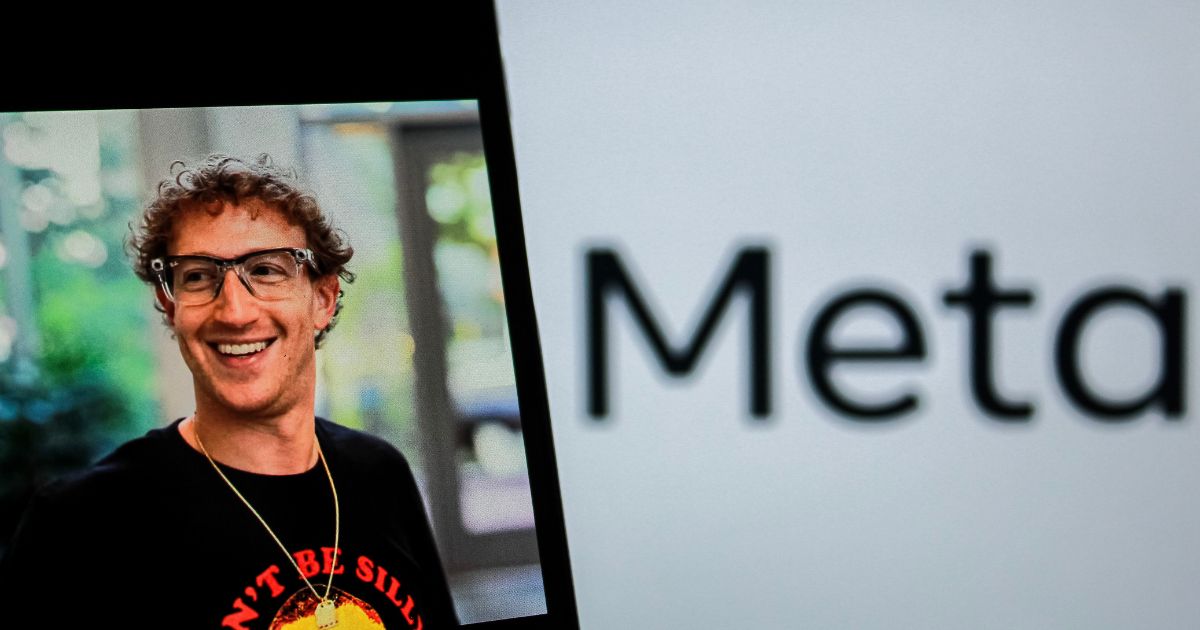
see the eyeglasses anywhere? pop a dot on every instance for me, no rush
(268, 274)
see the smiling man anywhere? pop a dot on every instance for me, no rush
(252, 512)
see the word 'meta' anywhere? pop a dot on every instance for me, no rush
(979, 300)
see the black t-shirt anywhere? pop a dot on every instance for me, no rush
(152, 537)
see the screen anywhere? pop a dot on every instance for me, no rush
(868, 315)
(435, 348)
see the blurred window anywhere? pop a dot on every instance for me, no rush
(423, 355)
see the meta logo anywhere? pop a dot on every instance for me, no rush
(978, 300)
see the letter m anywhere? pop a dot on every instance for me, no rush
(606, 277)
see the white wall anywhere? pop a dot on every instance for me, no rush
(867, 143)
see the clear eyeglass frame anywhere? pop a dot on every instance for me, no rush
(268, 274)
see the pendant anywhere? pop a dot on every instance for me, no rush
(305, 610)
(326, 614)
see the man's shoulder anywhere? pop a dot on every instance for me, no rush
(360, 447)
(136, 462)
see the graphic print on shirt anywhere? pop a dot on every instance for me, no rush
(265, 597)
(299, 612)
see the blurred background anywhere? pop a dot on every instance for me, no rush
(420, 357)
(865, 144)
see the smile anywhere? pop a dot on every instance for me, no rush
(242, 349)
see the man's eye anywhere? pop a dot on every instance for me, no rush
(196, 277)
(267, 271)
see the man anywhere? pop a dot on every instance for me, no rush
(251, 513)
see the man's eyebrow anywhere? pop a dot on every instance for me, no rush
(241, 255)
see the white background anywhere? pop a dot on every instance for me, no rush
(866, 143)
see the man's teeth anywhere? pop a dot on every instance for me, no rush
(241, 348)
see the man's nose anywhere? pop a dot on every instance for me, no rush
(235, 305)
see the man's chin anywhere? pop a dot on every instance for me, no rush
(247, 403)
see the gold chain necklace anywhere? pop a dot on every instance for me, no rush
(326, 614)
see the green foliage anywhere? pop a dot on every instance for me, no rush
(459, 199)
(92, 385)
(50, 427)
(97, 332)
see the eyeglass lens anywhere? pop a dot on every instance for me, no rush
(269, 276)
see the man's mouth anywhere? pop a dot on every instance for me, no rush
(242, 349)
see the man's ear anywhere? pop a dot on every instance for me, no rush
(167, 306)
(325, 297)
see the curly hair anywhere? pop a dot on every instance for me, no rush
(221, 178)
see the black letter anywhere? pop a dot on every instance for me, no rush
(1169, 315)
(981, 298)
(821, 354)
(606, 275)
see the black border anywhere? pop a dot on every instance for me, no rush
(447, 52)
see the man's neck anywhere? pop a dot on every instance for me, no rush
(281, 445)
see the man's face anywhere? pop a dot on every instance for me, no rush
(220, 340)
